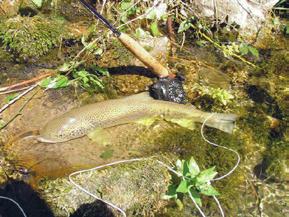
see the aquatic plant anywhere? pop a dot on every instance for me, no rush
(81, 77)
(203, 33)
(192, 181)
(222, 96)
(30, 37)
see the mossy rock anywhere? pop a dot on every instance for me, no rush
(30, 37)
(135, 187)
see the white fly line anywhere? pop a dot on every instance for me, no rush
(17, 204)
(220, 146)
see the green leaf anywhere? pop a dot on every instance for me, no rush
(103, 71)
(171, 193)
(45, 82)
(196, 196)
(193, 167)
(59, 81)
(184, 26)
(208, 189)
(180, 165)
(243, 49)
(186, 170)
(200, 43)
(89, 82)
(125, 5)
(253, 51)
(155, 29)
(38, 3)
(183, 187)
(11, 97)
(65, 67)
(206, 175)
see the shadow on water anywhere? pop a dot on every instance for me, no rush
(261, 96)
(131, 70)
(34, 206)
(95, 209)
(28, 199)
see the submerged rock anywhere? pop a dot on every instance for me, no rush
(135, 187)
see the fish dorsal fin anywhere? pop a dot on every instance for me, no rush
(144, 96)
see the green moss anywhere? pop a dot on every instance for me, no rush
(277, 161)
(30, 37)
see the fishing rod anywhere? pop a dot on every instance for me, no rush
(131, 44)
(169, 87)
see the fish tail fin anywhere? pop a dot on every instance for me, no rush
(224, 122)
(31, 133)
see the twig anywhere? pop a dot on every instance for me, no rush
(17, 98)
(183, 41)
(220, 47)
(27, 82)
(101, 11)
(18, 113)
(13, 91)
(170, 28)
(141, 16)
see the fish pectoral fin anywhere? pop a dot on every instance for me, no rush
(99, 135)
(146, 121)
(183, 122)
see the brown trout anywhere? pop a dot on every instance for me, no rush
(81, 121)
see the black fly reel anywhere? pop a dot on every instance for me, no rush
(169, 89)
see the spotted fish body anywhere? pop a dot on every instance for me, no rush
(79, 122)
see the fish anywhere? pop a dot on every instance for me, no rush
(138, 108)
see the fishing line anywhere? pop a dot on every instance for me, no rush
(128, 161)
(97, 168)
(220, 146)
(168, 167)
(17, 204)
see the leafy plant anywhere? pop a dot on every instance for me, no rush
(220, 95)
(192, 181)
(128, 9)
(91, 47)
(156, 14)
(60, 81)
(246, 49)
(88, 81)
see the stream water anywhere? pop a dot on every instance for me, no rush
(258, 187)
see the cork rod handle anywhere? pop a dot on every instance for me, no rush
(144, 56)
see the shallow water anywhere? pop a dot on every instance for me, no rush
(257, 188)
